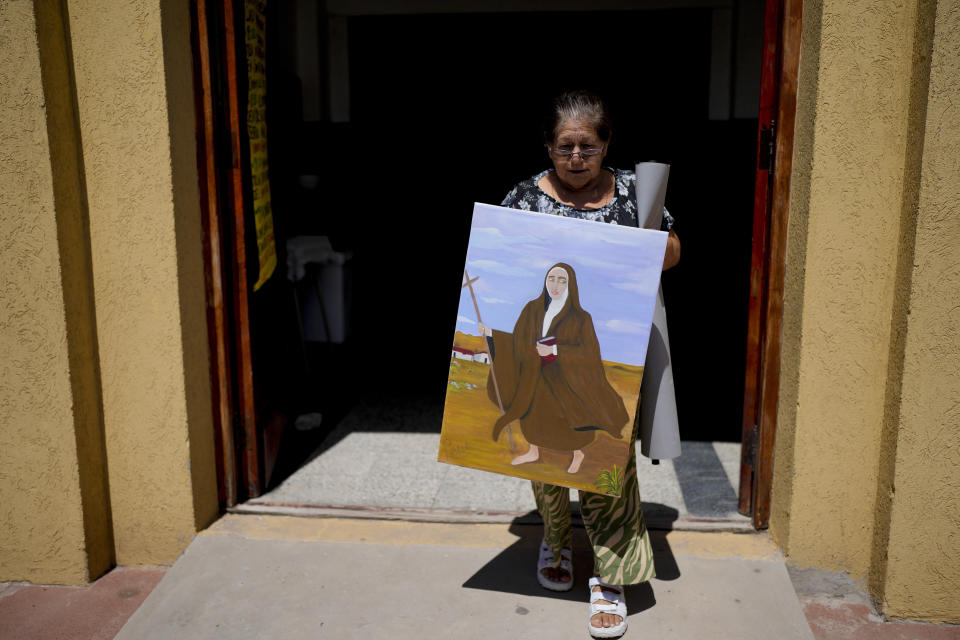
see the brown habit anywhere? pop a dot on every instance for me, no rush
(560, 405)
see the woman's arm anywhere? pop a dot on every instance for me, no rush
(672, 255)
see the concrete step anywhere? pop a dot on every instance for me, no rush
(252, 577)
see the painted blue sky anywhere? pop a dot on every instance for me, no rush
(618, 272)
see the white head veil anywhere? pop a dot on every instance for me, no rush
(556, 304)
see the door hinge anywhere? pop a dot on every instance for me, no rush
(768, 141)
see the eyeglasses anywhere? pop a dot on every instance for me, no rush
(585, 154)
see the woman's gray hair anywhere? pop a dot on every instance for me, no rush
(578, 105)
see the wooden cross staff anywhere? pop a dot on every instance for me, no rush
(493, 375)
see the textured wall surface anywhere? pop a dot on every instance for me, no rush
(924, 538)
(784, 467)
(158, 469)
(178, 59)
(41, 520)
(840, 299)
(69, 193)
(867, 462)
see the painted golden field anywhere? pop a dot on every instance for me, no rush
(468, 418)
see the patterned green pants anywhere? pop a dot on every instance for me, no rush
(622, 553)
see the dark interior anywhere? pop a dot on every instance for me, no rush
(445, 110)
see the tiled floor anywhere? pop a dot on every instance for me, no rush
(95, 612)
(837, 619)
(837, 608)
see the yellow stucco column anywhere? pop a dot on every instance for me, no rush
(916, 577)
(54, 504)
(866, 456)
(851, 144)
(135, 99)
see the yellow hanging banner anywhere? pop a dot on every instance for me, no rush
(256, 40)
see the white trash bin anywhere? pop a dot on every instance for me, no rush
(321, 277)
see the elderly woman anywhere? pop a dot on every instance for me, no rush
(577, 137)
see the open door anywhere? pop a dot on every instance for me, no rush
(250, 309)
(778, 91)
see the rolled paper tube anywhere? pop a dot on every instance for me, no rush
(659, 428)
(651, 191)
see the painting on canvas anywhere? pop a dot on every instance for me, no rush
(548, 352)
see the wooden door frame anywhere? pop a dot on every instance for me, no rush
(221, 387)
(220, 160)
(251, 477)
(778, 106)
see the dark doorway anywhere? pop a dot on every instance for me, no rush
(382, 132)
(445, 110)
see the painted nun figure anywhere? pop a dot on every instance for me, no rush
(550, 374)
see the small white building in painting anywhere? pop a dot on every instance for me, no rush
(483, 357)
(463, 354)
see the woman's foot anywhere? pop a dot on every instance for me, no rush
(559, 578)
(530, 456)
(556, 574)
(576, 462)
(608, 610)
(605, 620)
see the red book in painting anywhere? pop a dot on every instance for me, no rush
(549, 341)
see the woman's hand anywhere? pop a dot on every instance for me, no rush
(544, 350)
(484, 330)
(672, 255)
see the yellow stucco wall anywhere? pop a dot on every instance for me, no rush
(844, 230)
(191, 280)
(102, 321)
(923, 554)
(48, 409)
(866, 453)
(134, 91)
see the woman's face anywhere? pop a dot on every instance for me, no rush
(577, 172)
(556, 282)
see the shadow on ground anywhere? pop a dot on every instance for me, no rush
(707, 491)
(513, 570)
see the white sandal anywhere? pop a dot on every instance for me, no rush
(545, 561)
(617, 608)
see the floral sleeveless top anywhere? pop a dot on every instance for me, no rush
(528, 196)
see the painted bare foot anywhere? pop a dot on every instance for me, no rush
(530, 456)
(605, 620)
(577, 461)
